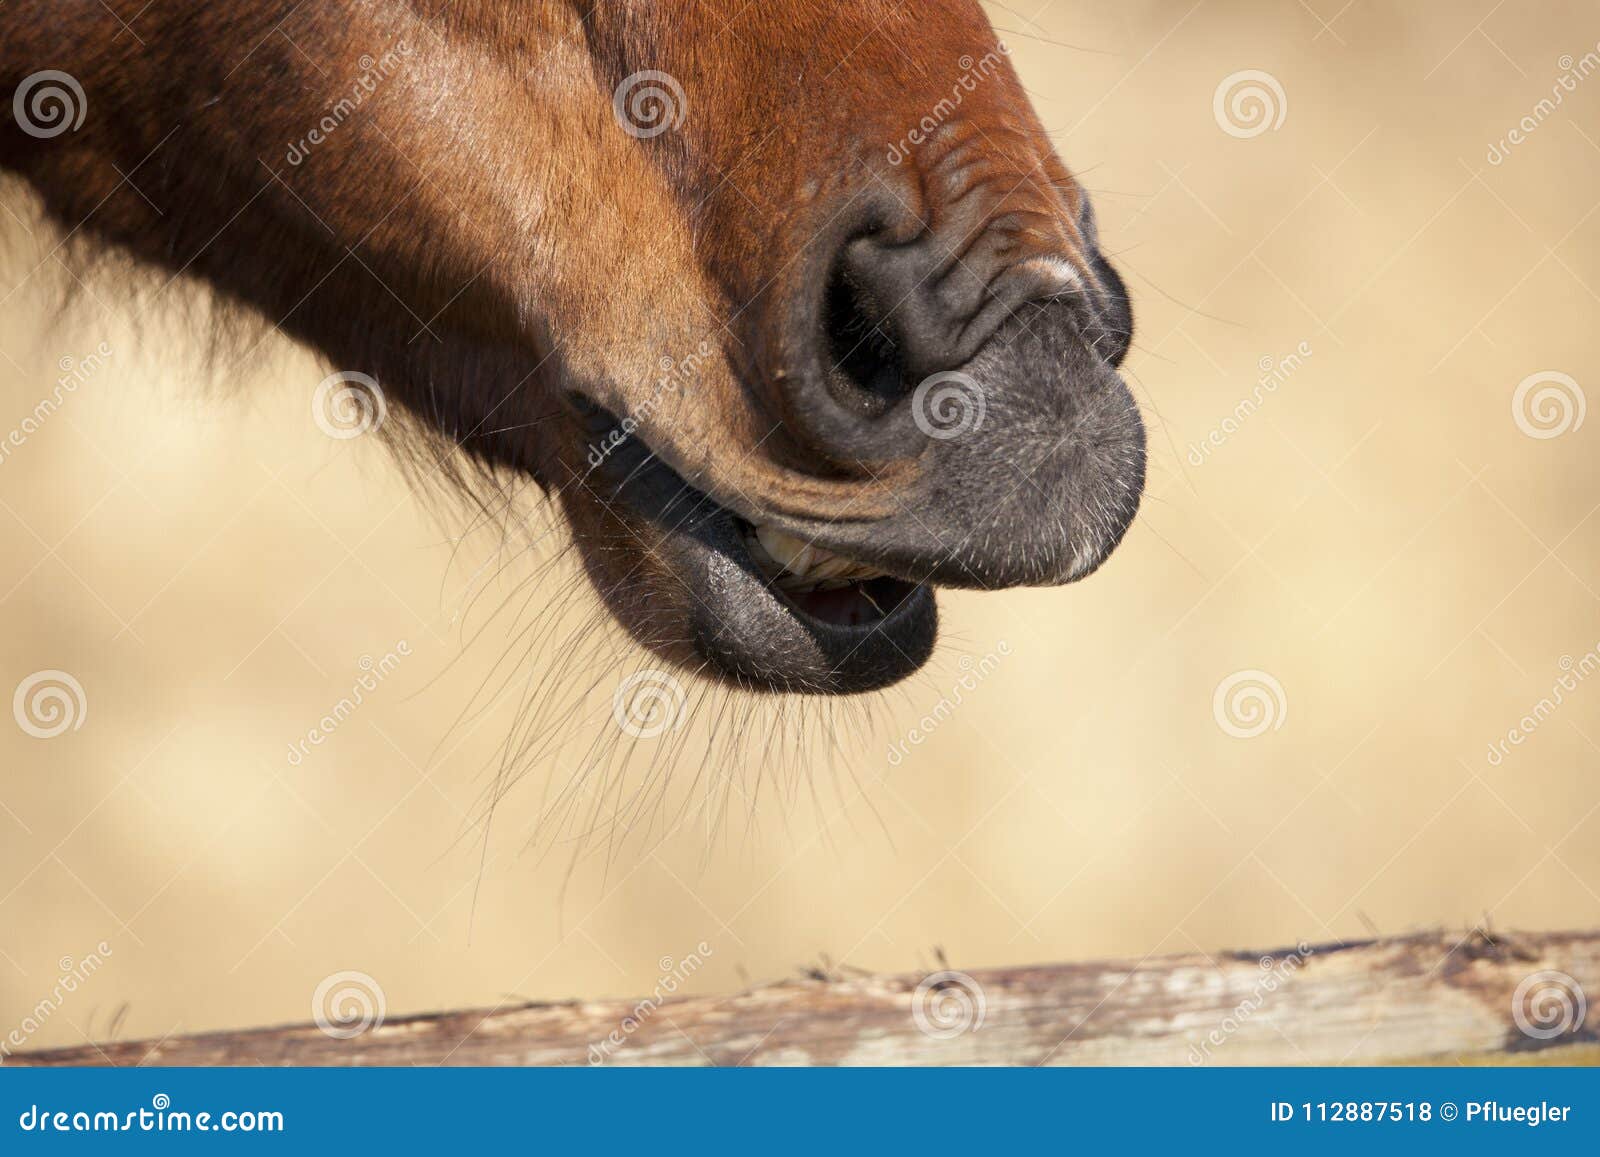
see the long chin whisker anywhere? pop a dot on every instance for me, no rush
(607, 799)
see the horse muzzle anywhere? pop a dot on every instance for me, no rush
(1011, 448)
(973, 369)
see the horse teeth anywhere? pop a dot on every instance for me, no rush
(790, 553)
(797, 565)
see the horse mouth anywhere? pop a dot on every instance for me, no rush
(820, 584)
(737, 598)
(767, 583)
(800, 617)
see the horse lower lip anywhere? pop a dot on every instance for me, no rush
(858, 604)
(743, 624)
(865, 635)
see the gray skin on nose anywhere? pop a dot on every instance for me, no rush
(1020, 460)
(1031, 463)
(997, 388)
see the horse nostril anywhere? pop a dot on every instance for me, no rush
(864, 327)
(867, 368)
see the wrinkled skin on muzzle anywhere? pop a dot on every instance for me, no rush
(791, 306)
(919, 326)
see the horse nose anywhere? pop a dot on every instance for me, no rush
(897, 314)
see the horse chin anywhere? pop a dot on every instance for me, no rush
(691, 582)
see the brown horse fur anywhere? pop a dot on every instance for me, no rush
(456, 197)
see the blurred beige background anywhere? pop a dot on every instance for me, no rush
(1379, 538)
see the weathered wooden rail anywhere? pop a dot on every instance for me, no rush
(1426, 998)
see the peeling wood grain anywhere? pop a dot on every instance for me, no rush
(1427, 998)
